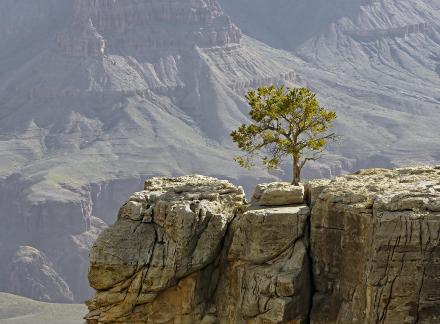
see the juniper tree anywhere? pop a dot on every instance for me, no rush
(287, 122)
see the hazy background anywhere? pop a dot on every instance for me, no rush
(93, 100)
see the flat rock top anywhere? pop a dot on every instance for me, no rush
(397, 189)
(194, 187)
(192, 183)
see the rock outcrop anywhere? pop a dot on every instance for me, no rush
(278, 194)
(375, 247)
(157, 263)
(266, 275)
(190, 250)
(183, 251)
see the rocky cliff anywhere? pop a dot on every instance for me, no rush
(364, 248)
(375, 246)
(96, 95)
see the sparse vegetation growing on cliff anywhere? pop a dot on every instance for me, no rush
(288, 122)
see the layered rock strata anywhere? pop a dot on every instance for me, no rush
(134, 25)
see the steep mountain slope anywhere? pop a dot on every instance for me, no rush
(97, 95)
(376, 62)
(288, 23)
(94, 97)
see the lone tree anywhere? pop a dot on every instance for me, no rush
(287, 122)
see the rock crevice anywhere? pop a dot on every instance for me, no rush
(363, 249)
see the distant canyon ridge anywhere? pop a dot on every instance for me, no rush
(96, 96)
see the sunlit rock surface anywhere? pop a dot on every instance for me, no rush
(375, 247)
(189, 250)
(96, 96)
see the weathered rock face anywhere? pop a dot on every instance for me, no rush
(156, 263)
(171, 258)
(266, 274)
(188, 250)
(278, 194)
(375, 247)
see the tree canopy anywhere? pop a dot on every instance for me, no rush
(287, 122)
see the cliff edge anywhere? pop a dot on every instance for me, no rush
(361, 248)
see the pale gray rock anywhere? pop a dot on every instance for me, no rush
(365, 253)
(278, 194)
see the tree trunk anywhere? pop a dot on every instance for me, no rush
(296, 171)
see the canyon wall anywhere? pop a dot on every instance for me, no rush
(96, 95)
(361, 248)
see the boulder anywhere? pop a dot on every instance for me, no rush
(278, 194)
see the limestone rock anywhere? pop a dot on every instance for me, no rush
(278, 194)
(184, 251)
(156, 262)
(375, 247)
(200, 23)
(266, 275)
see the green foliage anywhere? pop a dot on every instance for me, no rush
(287, 122)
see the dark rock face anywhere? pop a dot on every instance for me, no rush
(32, 274)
